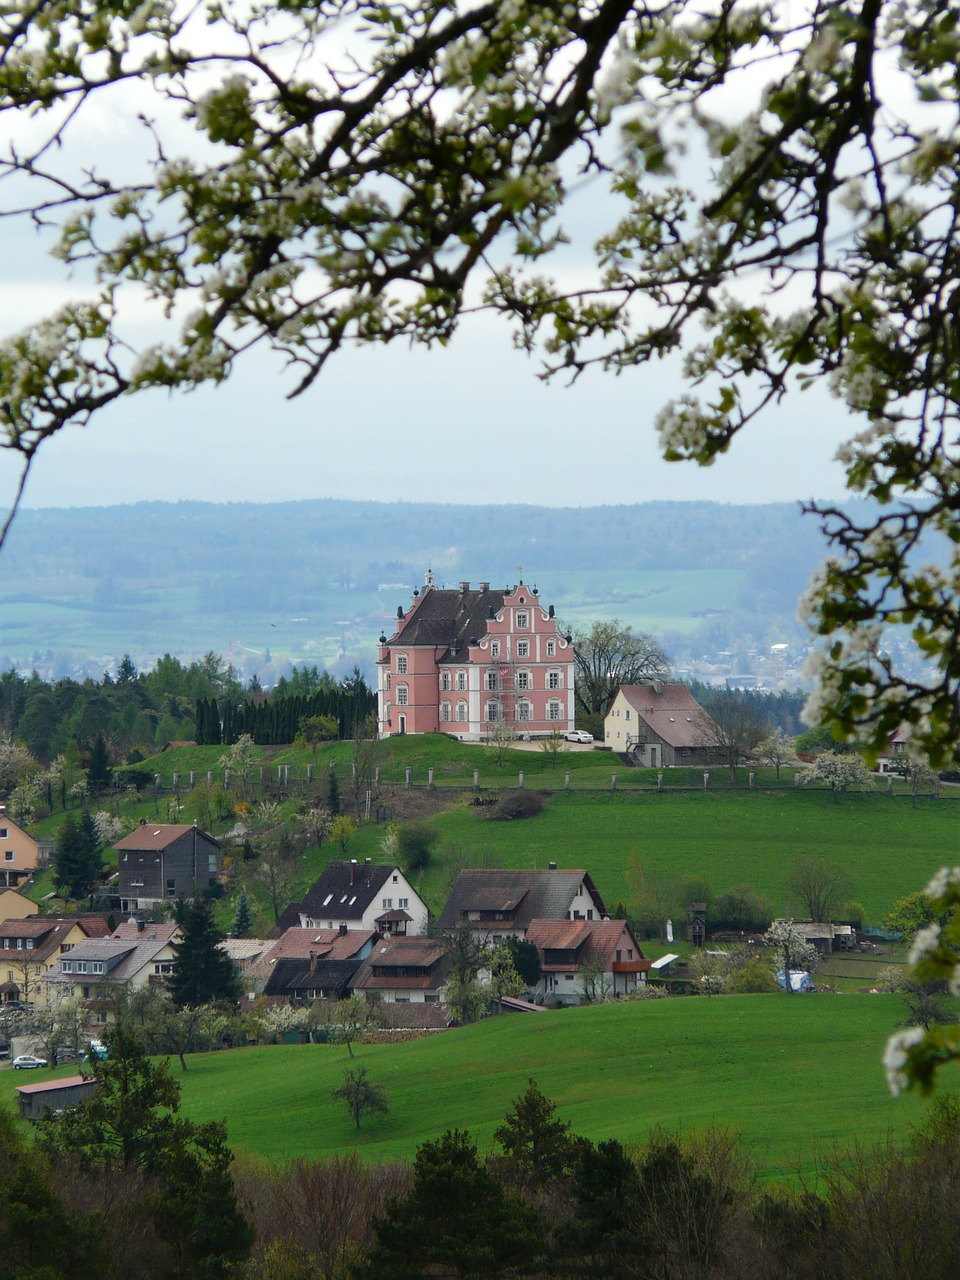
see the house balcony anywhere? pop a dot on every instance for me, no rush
(631, 966)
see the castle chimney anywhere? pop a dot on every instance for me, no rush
(484, 586)
(343, 930)
(353, 869)
(464, 586)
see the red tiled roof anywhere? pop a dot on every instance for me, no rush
(159, 836)
(671, 711)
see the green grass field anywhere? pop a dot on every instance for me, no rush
(795, 1076)
(888, 847)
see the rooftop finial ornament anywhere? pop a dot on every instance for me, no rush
(429, 578)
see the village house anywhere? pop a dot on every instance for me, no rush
(369, 896)
(30, 948)
(19, 853)
(164, 862)
(15, 906)
(661, 724)
(494, 903)
(309, 964)
(464, 661)
(584, 960)
(404, 971)
(134, 956)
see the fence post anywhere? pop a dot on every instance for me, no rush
(176, 782)
(659, 781)
(156, 781)
(613, 782)
(210, 776)
(226, 778)
(520, 781)
(376, 776)
(750, 780)
(706, 778)
(430, 778)
(309, 772)
(476, 779)
(409, 774)
(566, 782)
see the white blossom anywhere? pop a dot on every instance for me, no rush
(946, 879)
(925, 940)
(896, 1054)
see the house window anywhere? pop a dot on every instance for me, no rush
(493, 712)
(28, 944)
(554, 710)
(163, 968)
(4, 833)
(66, 966)
(444, 680)
(8, 855)
(388, 904)
(523, 679)
(461, 713)
(81, 966)
(461, 681)
(171, 888)
(523, 648)
(403, 903)
(495, 649)
(553, 680)
(551, 648)
(523, 711)
(97, 966)
(493, 680)
(401, 664)
(401, 695)
(431, 997)
(523, 619)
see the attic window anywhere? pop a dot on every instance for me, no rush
(327, 899)
(353, 900)
(672, 719)
(343, 899)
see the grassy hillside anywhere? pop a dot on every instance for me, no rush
(794, 1075)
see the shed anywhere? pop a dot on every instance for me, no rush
(54, 1095)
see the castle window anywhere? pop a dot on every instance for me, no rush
(444, 680)
(523, 648)
(523, 679)
(401, 695)
(553, 680)
(551, 648)
(554, 710)
(523, 618)
(494, 648)
(523, 710)
(461, 680)
(401, 664)
(461, 712)
(493, 680)
(445, 712)
(386, 681)
(493, 712)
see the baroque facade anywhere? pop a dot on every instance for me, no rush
(466, 661)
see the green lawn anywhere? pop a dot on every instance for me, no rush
(794, 1075)
(889, 847)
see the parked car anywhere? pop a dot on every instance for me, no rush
(578, 735)
(27, 1061)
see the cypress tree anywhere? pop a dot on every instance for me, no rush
(333, 793)
(242, 920)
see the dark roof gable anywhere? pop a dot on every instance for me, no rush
(442, 619)
(344, 890)
(521, 895)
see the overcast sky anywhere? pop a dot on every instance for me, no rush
(471, 423)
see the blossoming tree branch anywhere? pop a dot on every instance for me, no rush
(785, 187)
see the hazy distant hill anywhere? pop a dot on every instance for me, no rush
(317, 581)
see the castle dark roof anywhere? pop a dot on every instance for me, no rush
(521, 895)
(448, 619)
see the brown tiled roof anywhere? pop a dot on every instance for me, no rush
(128, 932)
(94, 926)
(424, 954)
(158, 836)
(441, 619)
(532, 895)
(302, 943)
(389, 916)
(559, 935)
(671, 711)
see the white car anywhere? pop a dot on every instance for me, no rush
(26, 1061)
(578, 735)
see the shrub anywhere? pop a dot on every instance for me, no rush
(415, 845)
(517, 804)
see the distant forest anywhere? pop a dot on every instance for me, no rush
(276, 585)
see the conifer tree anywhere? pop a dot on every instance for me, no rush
(242, 920)
(333, 793)
(99, 773)
(202, 972)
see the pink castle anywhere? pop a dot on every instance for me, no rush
(464, 661)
